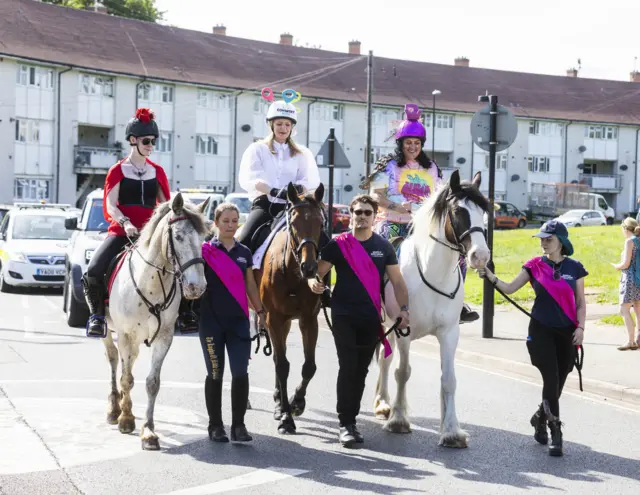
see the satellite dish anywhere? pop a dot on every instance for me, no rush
(515, 177)
(348, 188)
(461, 160)
(623, 167)
(246, 128)
(582, 148)
(581, 166)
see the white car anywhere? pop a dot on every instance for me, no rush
(33, 240)
(198, 196)
(87, 233)
(582, 218)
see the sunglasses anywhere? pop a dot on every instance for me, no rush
(149, 141)
(366, 213)
(556, 272)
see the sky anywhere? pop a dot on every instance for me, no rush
(540, 36)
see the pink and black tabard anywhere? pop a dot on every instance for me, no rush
(360, 268)
(555, 287)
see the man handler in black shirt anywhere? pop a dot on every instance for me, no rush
(361, 258)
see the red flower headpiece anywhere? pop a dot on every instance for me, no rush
(145, 115)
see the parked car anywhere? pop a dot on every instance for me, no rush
(87, 233)
(507, 216)
(33, 240)
(341, 218)
(580, 218)
(198, 196)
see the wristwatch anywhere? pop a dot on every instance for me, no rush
(123, 220)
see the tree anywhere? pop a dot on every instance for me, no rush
(144, 10)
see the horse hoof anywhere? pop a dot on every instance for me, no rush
(151, 443)
(382, 412)
(277, 414)
(398, 425)
(298, 406)
(454, 440)
(126, 425)
(286, 429)
(112, 418)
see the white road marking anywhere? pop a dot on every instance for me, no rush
(254, 478)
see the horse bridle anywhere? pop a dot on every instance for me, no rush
(292, 238)
(459, 247)
(177, 272)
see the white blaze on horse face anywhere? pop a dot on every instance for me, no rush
(188, 245)
(478, 254)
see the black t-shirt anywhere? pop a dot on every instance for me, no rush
(545, 308)
(222, 302)
(349, 297)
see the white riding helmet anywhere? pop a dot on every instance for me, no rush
(282, 110)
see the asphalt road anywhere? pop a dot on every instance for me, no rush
(54, 438)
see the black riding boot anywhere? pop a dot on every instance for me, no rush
(555, 426)
(213, 399)
(94, 295)
(539, 422)
(239, 398)
(187, 321)
(467, 315)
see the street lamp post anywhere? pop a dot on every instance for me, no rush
(433, 123)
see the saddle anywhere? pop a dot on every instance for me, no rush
(263, 236)
(113, 269)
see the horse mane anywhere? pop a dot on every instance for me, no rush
(437, 204)
(191, 211)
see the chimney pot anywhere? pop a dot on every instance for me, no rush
(635, 76)
(354, 47)
(461, 62)
(220, 29)
(286, 39)
(572, 72)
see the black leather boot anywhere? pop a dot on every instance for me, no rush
(239, 398)
(539, 422)
(187, 321)
(467, 315)
(555, 449)
(213, 399)
(94, 294)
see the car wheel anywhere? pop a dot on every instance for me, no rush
(522, 224)
(4, 286)
(609, 221)
(77, 315)
(578, 225)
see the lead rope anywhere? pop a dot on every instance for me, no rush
(578, 356)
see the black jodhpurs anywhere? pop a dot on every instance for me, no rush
(103, 256)
(552, 352)
(356, 341)
(218, 333)
(262, 211)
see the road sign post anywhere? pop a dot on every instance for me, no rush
(493, 128)
(331, 165)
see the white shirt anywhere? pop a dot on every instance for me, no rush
(277, 170)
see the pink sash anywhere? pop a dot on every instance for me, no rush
(559, 290)
(364, 268)
(228, 272)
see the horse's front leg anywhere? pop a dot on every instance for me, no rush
(279, 330)
(309, 330)
(399, 420)
(160, 348)
(128, 354)
(381, 407)
(450, 433)
(113, 409)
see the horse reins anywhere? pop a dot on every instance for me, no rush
(178, 269)
(296, 245)
(458, 247)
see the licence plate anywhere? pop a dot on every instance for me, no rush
(50, 271)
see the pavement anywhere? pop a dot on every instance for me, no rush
(54, 438)
(607, 372)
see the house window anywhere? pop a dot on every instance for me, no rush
(442, 121)
(328, 112)
(542, 128)
(35, 76)
(260, 106)
(164, 144)
(31, 189)
(167, 94)
(601, 132)
(501, 162)
(337, 113)
(96, 85)
(155, 93)
(206, 145)
(538, 164)
(27, 131)
(382, 116)
(214, 100)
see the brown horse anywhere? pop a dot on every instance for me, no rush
(291, 259)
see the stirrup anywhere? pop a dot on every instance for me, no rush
(105, 328)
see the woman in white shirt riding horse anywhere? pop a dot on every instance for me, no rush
(269, 165)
